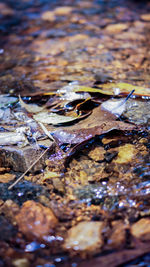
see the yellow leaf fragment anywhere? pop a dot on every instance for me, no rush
(125, 88)
(115, 89)
(50, 175)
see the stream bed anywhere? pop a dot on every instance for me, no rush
(74, 133)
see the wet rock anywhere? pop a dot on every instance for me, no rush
(63, 10)
(48, 16)
(138, 111)
(7, 177)
(97, 154)
(109, 156)
(20, 159)
(126, 154)
(116, 28)
(7, 230)
(4, 170)
(22, 262)
(22, 191)
(10, 209)
(86, 237)
(35, 220)
(101, 78)
(141, 229)
(58, 185)
(117, 238)
(94, 193)
(145, 17)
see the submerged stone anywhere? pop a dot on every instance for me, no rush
(22, 191)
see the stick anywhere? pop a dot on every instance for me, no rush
(46, 131)
(50, 136)
(21, 177)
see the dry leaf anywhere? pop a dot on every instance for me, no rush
(32, 108)
(115, 89)
(99, 122)
(53, 118)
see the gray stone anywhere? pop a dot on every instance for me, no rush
(20, 159)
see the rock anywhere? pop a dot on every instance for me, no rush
(63, 10)
(58, 185)
(116, 28)
(21, 192)
(4, 170)
(48, 16)
(97, 153)
(7, 230)
(22, 262)
(85, 237)
(21, 158)
(118, 235)
(146, 17)
(10, 209)
(5, 10)
(35, 220)
(141, 229)
(7, 177)
(126, 154)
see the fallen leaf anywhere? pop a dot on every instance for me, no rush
(124, 88)
(99, 122)
(32, 108)
(55, 119)
(114, 89)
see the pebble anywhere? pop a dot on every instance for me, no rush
(35, 220)
(141, 229)
(85, 237)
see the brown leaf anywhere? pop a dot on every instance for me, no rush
(99, 122)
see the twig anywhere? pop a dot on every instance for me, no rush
(46, 131)
(21, 177)
(50, 136)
